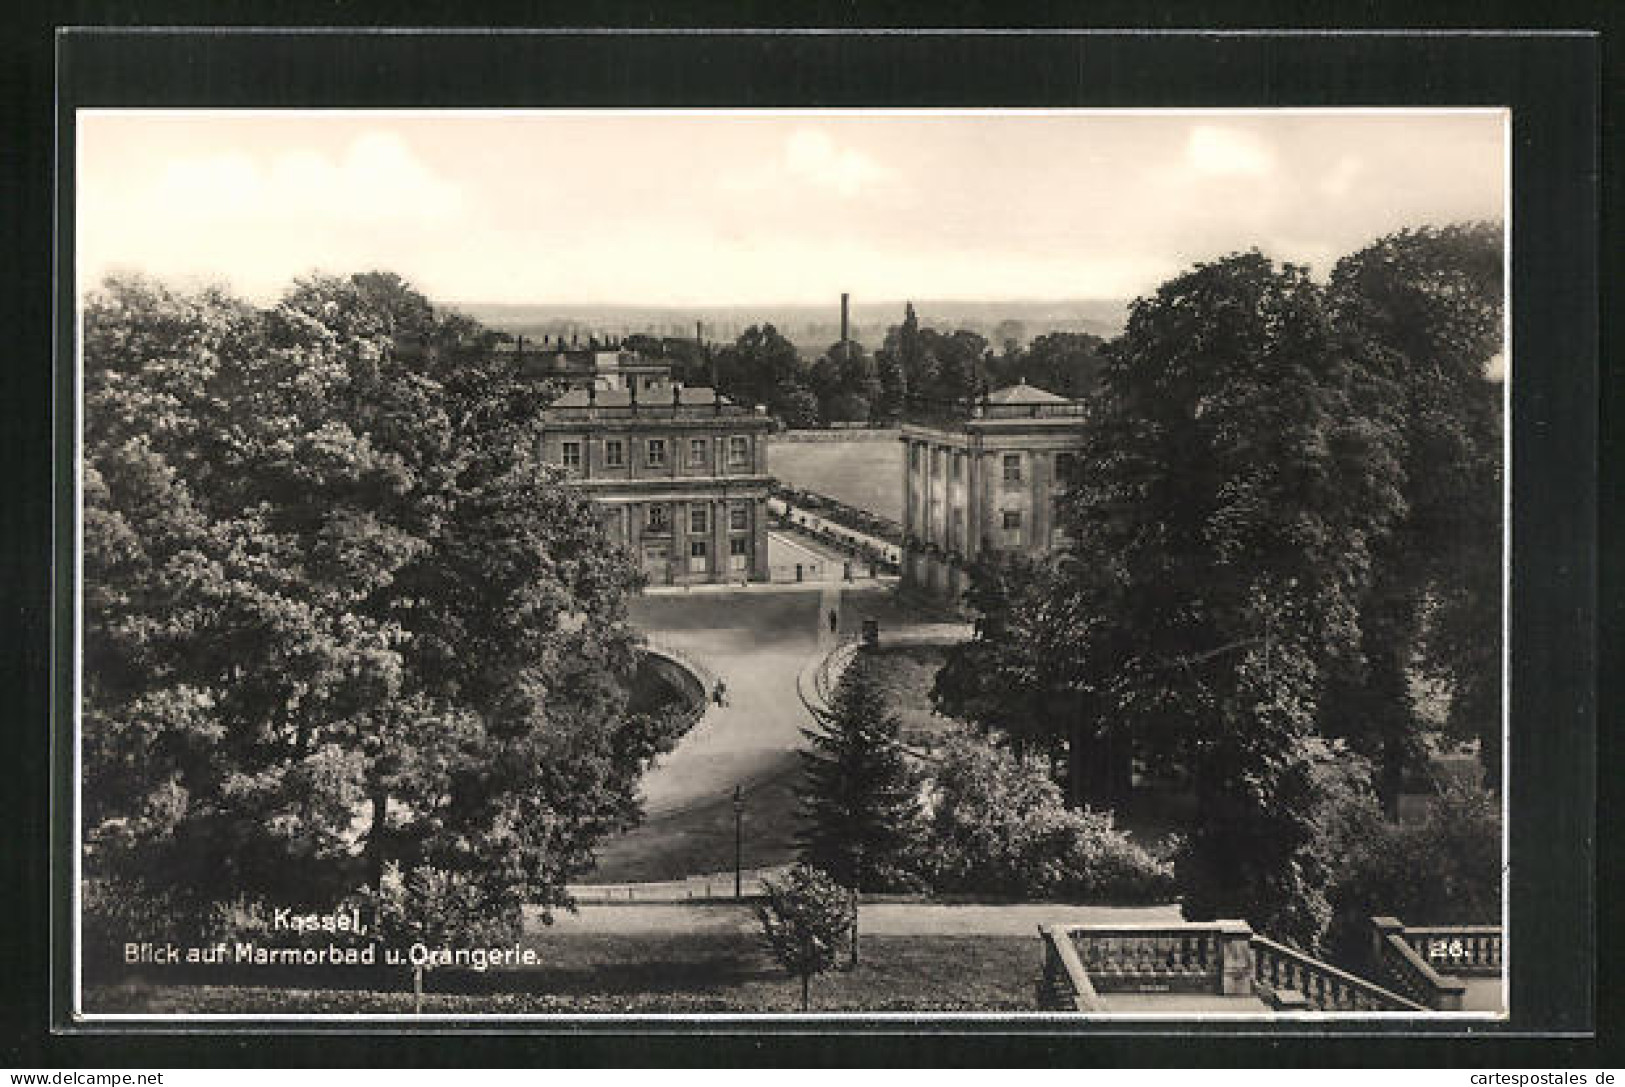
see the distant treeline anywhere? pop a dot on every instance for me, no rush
(847, 383)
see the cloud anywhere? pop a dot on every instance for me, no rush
(811, 155)
(1227, 152)
(811, 159)
(377, 178)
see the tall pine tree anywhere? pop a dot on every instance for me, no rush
(858, 800)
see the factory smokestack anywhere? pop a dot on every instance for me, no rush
(846, 305)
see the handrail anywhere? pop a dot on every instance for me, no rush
(1418, 980)
(1325, 987)
(1066, 983)
(707, 678)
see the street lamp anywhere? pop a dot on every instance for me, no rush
(739, 818)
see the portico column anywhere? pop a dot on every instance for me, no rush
(721, 556)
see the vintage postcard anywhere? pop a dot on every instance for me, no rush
(1022, 565)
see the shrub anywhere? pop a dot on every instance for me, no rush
(999, 825)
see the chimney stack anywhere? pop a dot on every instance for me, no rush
(846, 300)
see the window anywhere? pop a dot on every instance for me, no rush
(739, 518)
(914, 456)
(657, 452)
(1012, 467)
(739, 545)
(738, 451)
(614, 453)
(1066, 469)
(696, 557)
(570, 456)
(696, 519)
(656, 519)
(1012, 520)
(696, 452)
(956, 530)
(958, 466)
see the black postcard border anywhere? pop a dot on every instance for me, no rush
(1550, 80)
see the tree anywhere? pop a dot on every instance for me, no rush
(893, 380)
(958, 359)
(1066, 363)
(1421, 312)
(847, 383)
(858, 801)
(762, 367)
(336, 613)
(805, 918)
(1225, 524)
(1022, 676)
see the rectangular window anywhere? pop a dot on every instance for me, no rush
(696, 557)
(739, 518)
(571, 456)
(914, 457)
(739, 545)
(738, 452)
(1012, 520)
(696, 519)
(696, 452)
(958, 466)
(614, 453)
(656, 519)
(657, 452)
(1066, 469)
(1012, 467)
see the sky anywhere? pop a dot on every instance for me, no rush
(708, 208)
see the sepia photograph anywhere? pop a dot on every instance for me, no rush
(1035, 565)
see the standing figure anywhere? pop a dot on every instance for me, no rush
(834, 620)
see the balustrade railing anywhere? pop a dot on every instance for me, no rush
(1470, 950)
(1082, 962)
(1408, 973)
(1188, 958)
(1065, 985)
(1324, 987)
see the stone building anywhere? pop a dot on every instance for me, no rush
(681, 474)
(984, 478)
(601, 364)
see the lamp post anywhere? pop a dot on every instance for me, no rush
(739, 822)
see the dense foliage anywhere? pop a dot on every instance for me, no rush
(997, 824)
(1444, 869)
(337, 617)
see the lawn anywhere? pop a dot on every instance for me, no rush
(867, 474)
(725, 970)
(701, 839)
(907, 676)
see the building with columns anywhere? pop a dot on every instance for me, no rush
(983, 478)
(681, 474)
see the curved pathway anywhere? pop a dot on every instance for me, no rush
(756, 643)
